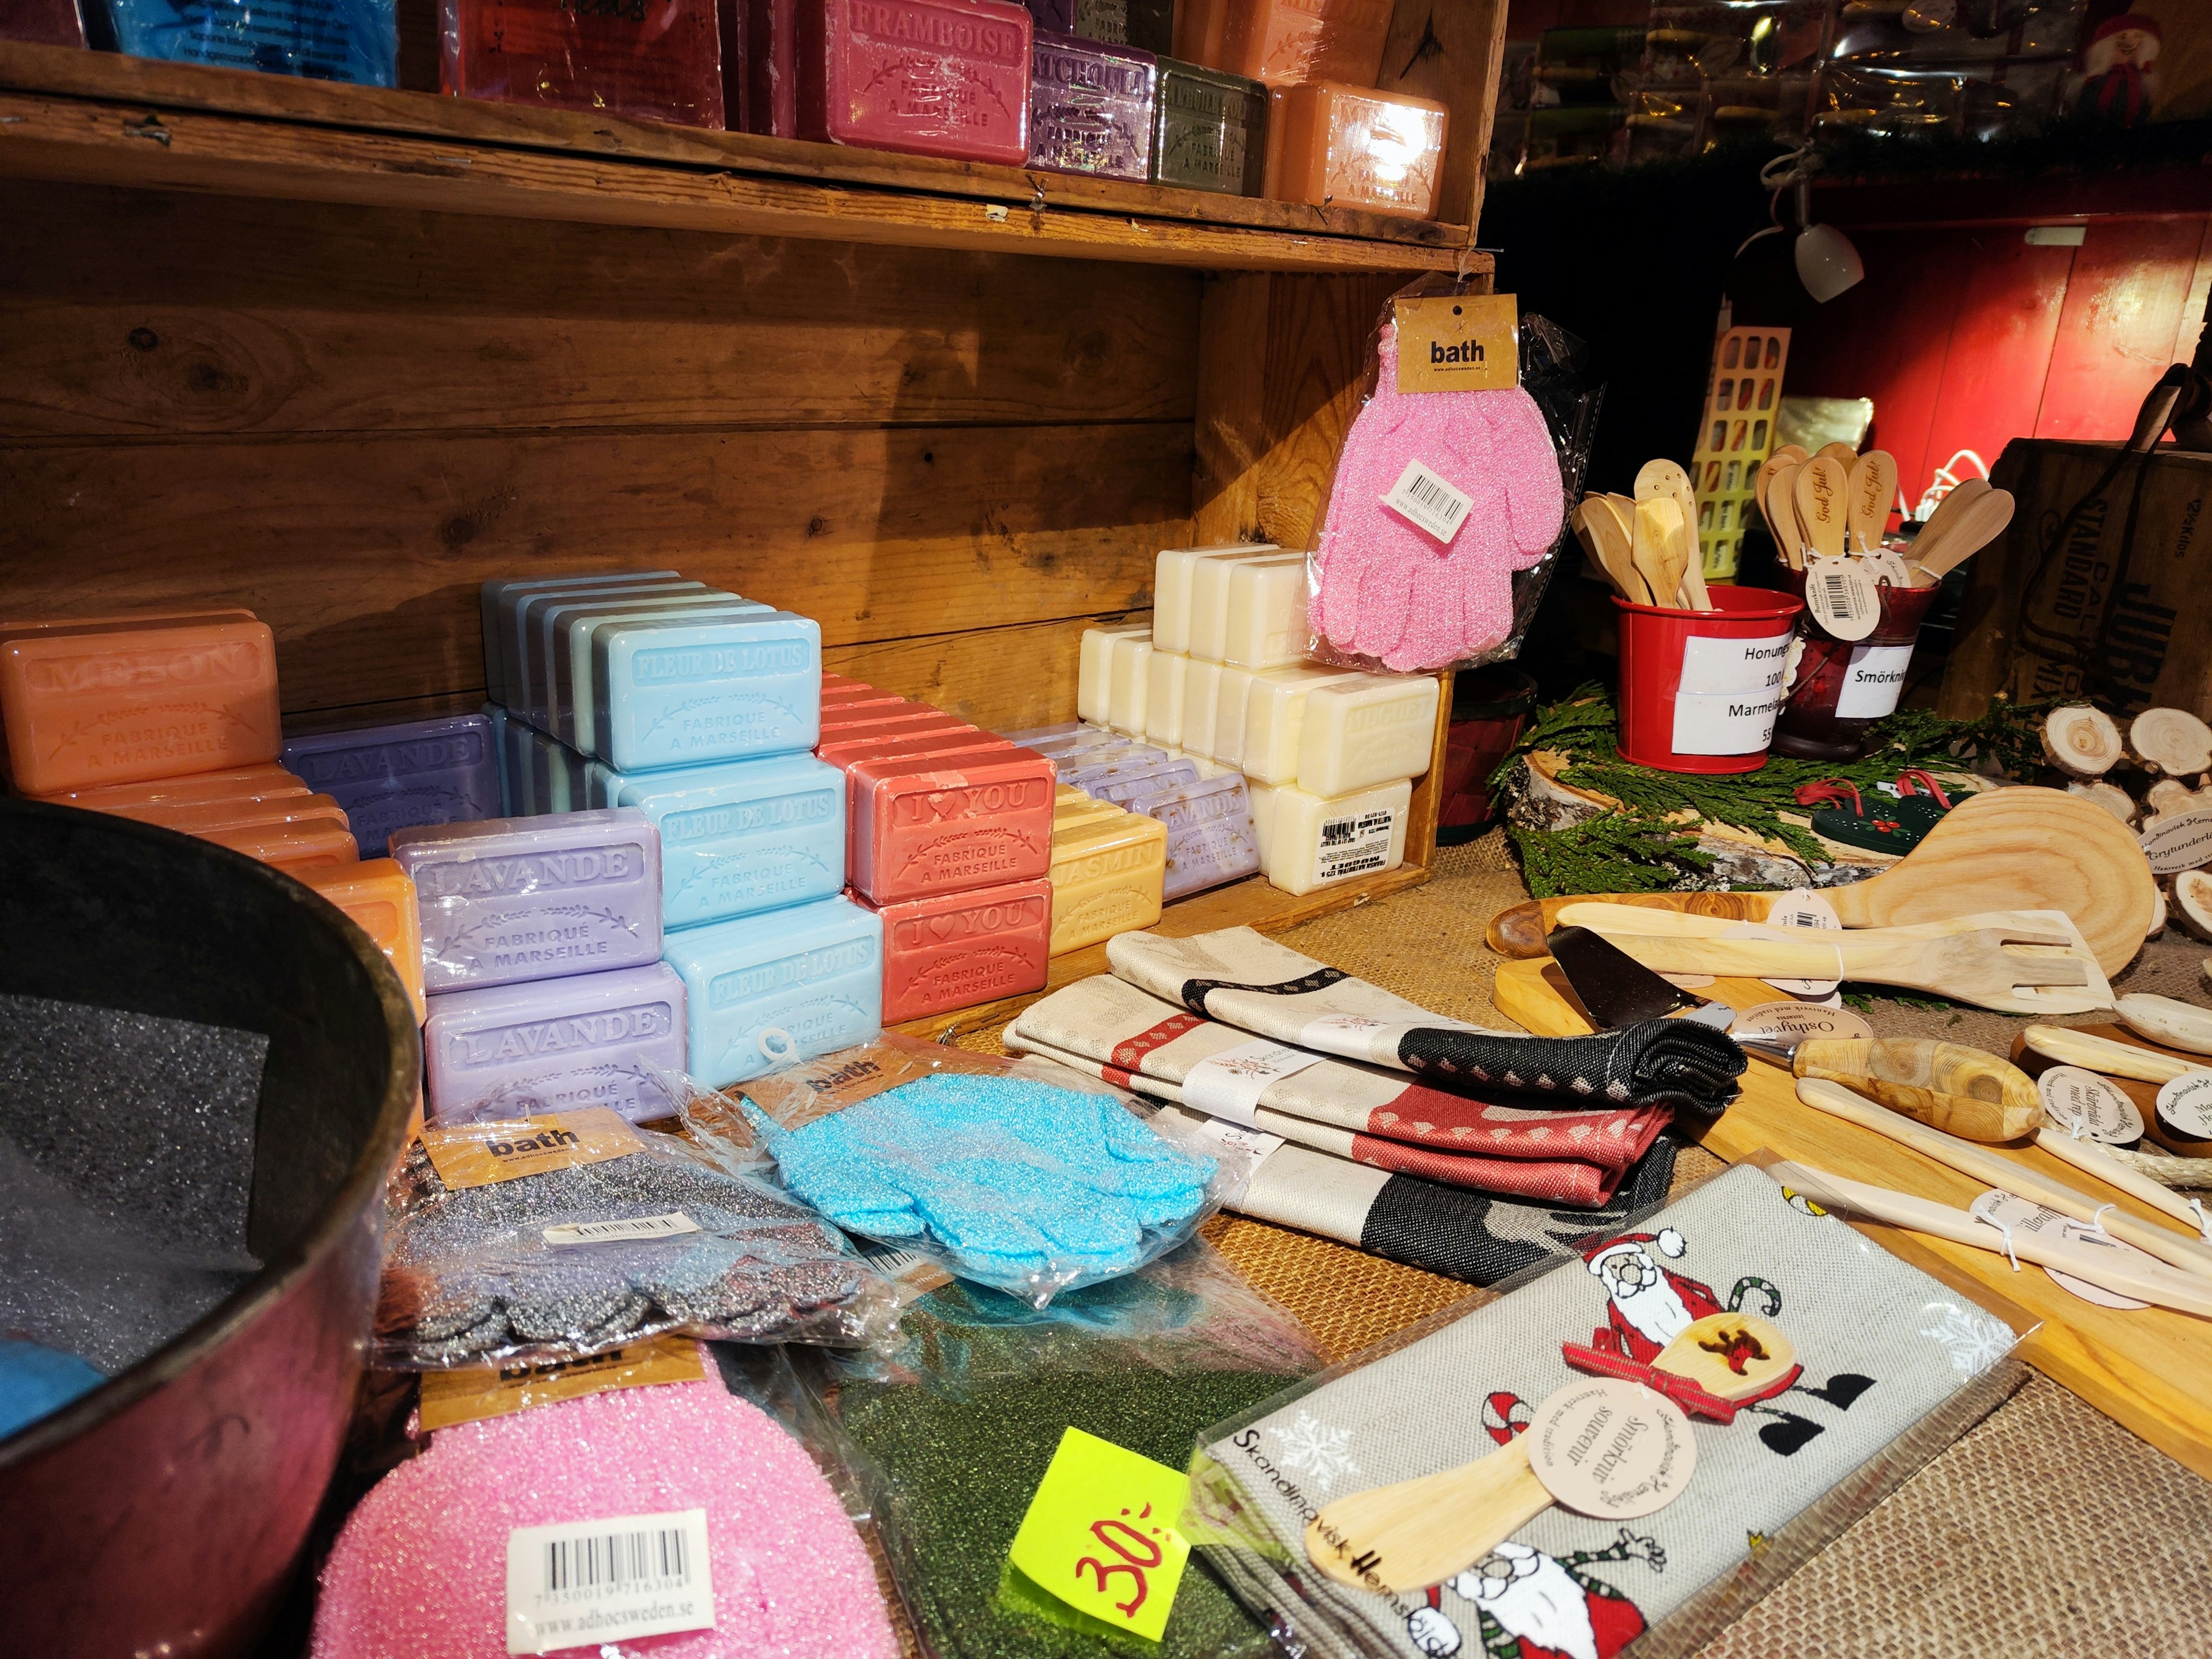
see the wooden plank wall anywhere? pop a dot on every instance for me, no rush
(346, 419)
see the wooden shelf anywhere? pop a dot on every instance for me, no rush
(101, 118)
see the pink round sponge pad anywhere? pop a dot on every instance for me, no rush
(420, 1571)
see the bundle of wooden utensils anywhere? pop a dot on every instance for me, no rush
(1836, 503)
(1648, 546)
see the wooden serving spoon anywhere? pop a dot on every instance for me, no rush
(1666, 480)
(1421, 1532)
(1658, 550)
(1841, 453)
(1964, 533)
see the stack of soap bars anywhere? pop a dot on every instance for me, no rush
(1327, 757)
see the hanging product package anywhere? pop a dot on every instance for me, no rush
(950, 1434)
(1820, 1371)
(997, 1177)
(355, 40)
(1449, 502)
(556, 1238)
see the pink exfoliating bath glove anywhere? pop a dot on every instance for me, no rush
(420, 1571)
(1390, 590)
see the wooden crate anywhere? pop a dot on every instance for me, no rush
(340, 354)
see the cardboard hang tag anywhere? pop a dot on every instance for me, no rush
(479, 1154)
(471, 1393)
(798, 1095)
(1459, 343)
(1842, 597)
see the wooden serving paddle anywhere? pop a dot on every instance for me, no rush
(2018, 848)
(1873, 487)
(1421, 1532)
(1964, 533)
(1821, 490)
(1663, 480)
(1658, 551)
(1615, 530)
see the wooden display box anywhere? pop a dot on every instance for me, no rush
(339, 353)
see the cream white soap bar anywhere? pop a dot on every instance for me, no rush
(1262, 796)
(1094, 671)
(1201, 685)
(1273, 720)
(1317, 841)
(1164, 690)
(1171, 582)
(1266, 626)
(1128, 681)
(1209, 599)
(1229, 697)
(1357, 733)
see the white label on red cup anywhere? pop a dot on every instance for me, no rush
(1842, 597)
(2079, 1100)
(1725, 722)
(586, 1583)
(1229, 1084)
(1611, 1449)
(1712, 664)
(1874, 682)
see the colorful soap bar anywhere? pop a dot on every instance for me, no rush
(923, 827)
(1272, 723)
(1210, 580)
(1361, 732)
(197, 818)
(742, 836)
(1164, 695)
(1266, 623)
(496, 717)
(1209, 131)
(670, 692)
(643, 60)
(1090, 108)
(1120, 785)
(919, 76)
(99, 703)
(1089, 768)
(263, 782)
(1262, 797)
(1171, 588)
(557, 1045)
(534, 638)
(497, 601)
(555, 777)
(1317, 841)
(929, 740)
(1232, 693)
(1066, 815)
(1094, 669)
(379, 897)
(572, 700)
(508, 900)
(547, 617)
(765, 992)
(387, 777)
(957, 950)
(1128, 681)
(1202, 692)
(1210, 834)
(355, 40)
(847, 717)
(292, 848)
(771, 67)
(1284, 42)
(1106, 880)
(1337, 145)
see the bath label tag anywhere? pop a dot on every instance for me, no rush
(1459, 343)
(1100, 1533)
(1725, 722)
(1229, 1084)
(2080, 1101)
(478, 1154)
(625, 1230)
(1613, 1451)
(1713, 665)
(1842, 597)
(1872, 682)
(586, 1584)
(2018, 1215)
(1353, 845)
(1427, 502)
(2185, 1104)
(470, 1393)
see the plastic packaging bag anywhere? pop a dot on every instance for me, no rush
(556, 1238)
(355, 40)
(949, 1434)
(1029, 1186)
(1448, 508)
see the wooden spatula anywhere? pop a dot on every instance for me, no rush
(2019, 848)
(1420, 1531)
(1666, 480)
(1964, 533)
(1841, 453)
(1873, 487)
(1658, 551)
(1781, 504)
(1599, 523)
(1821, 490)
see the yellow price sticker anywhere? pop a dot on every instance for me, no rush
(1100, 1533)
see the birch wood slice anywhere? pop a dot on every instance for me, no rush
(2171, 741)
(2192, 902)
(2082, 741)
(2110, 796)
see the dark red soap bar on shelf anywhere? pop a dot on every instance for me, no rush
(772, 67)
(923, 77)
(644, 60)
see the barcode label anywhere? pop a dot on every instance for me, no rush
(589, 1582)
(1357, 845)
(1842, 598)
(631, 1229)
(1428, 503)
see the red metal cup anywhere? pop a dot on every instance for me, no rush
(1722, 716)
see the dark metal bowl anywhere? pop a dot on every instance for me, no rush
(164, 1513)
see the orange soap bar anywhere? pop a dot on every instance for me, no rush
(955, 950)
(123, 702)
(290, 848)
(237, 783)
(197, 818)
(1285, 42)
(380, 896)
(1344, 146)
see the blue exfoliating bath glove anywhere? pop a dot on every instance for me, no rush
(36, 1381)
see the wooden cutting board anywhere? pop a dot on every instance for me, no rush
(2144, 1368)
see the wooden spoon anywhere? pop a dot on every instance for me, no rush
(1964, 533)
(1777, 500)
(1421, 1532)
(1614, 537)
(1657, 548)
(1841, 453)
(1873, 487)
(1821, 491)
(1665, 479)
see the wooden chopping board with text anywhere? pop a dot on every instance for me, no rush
(2145, 1368)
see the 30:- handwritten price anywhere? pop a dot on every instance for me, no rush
(1111, 1533)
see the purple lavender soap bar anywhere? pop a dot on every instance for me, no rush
(1082, 772)
(514, 899)
(559, 1045)
(391, 777)
(1211, 839)
(1120, 785)
(1090, 108)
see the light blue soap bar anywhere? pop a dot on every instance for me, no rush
(768, 991)
(739, 837)
(673, 692)
(518, 759)
(497, 714)
(497, 601)
(556, 773)
(534, 629)
(574, 711)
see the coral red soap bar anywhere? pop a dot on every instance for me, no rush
(93, 704)
(926, 78)
(959, 949)
(976, 819)
(646, 60)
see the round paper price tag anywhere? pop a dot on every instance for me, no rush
(1792, 1022)
(2002, 1209)
(1842, 597)
(1805, 909)
(1614, 1451)
(2185, 1104)
(2079, 1100)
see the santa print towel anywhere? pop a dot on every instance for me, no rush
(1243, 979)
(1882, 1347)
(1110, 1029)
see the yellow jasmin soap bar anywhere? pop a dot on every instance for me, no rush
(1073, 815)
(1106, 879)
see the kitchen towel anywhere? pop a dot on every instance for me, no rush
(1244, 979)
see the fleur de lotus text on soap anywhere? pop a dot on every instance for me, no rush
(690, 663)
(109, 670)
(741, 983)
(534, 872)
(556, 1037)
(741, 818)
